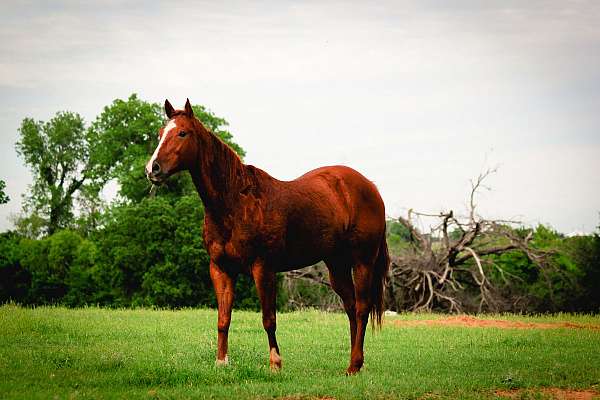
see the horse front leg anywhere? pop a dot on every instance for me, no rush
(224, 285)
(266, 287)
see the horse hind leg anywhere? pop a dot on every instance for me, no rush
(363, 276)
(340, 277)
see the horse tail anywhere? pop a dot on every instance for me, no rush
(379, 280)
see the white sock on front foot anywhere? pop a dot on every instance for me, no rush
(223, 362)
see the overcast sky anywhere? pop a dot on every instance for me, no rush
(418, 96)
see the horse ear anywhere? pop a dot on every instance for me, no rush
(169, 110)
(188, 108)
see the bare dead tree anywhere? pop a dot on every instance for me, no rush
(440, 269)
(309, 287)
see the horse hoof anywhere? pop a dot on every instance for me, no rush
(222, 363)
(275, 361)
(352, 371)
(275, 367)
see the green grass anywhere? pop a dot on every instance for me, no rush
(98, 353)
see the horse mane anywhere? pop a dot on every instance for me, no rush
(228, 174)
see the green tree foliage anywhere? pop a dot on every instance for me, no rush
(398, 236)
(569, 283)
(155, 254)
(14, 280)
(584, 251)
(146, 254)
(31, 225)
(125, 133)
(3, 196)
(57, 153)
(49, 262)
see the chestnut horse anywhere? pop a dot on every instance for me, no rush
(257, 225)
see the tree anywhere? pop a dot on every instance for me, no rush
(57, 152)
(123, 134)
(586, 253)
(308, 287)
(398, 236)
(453, 267)
(49, 262)
(151, 253)
(71, 164)
(3, 196)
(14, 279)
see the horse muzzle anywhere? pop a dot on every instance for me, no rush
(156, 174)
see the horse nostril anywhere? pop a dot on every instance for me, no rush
(155, 168)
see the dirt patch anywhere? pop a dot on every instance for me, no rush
(548, 393)
(472, 322)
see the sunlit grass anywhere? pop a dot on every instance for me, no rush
(99, 353)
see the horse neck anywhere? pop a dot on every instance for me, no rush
(219, 176)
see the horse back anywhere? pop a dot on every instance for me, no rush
(328, 210)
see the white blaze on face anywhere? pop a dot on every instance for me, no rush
(167, 129)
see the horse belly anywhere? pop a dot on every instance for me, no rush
(299, 259)
(305, 246)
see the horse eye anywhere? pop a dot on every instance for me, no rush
(182, 133)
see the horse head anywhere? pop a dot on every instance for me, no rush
(177, 146)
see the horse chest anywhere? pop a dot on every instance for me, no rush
(228, 249)
(225, 252)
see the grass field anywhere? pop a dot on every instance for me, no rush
(97, 353)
